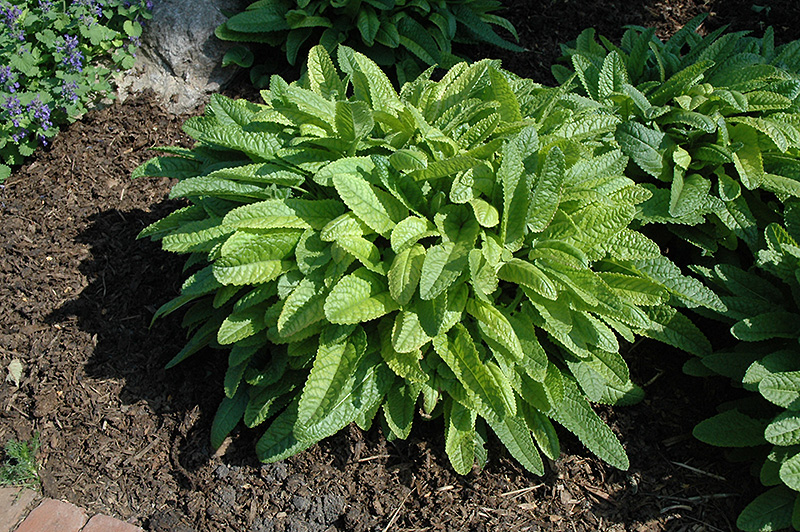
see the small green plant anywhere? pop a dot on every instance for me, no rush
(410, 35)
(461, 247)
(55, 62)
(710, 123)
(19, 467)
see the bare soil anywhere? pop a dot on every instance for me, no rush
(123, 436)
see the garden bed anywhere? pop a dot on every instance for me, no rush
(122, 436)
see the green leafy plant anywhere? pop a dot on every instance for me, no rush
(709, 123)
(461, 247)
(57, 59)
(410, 35)
(19, 467)
(763, 304)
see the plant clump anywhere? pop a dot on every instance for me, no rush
(462, 247)
(712, 127)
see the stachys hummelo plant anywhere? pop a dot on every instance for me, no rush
(460, 247)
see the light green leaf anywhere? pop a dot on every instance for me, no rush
(575, 414)
(407, 334)
(241, 325)
(462, 358)
(322, 75)
(353, 120)
(644, 146)
(399, 407)
(494, 324)
(526, 274)
(547, 191)
(790, 472)
(443, 264)
(485, 212)
(408, 231)
(784, 430)
(688, 290)
(333, 366)
(783, 389)
(302, 308)
(286, 213)
(405, 273)
(376, 208)
(359, 297)
(460, 436)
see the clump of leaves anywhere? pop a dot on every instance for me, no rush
(709, 123)
(763, 304)
(410, 35)
(19, 467)
(461, 247)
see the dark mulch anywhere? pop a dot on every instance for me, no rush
(123, 436)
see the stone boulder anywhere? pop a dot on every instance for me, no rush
(180, 58)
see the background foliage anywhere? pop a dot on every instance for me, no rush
(58, 57)
(410, 35)
(713, 126)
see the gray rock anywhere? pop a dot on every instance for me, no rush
(222, 471)
(180, 58)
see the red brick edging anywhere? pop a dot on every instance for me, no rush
(24, 510)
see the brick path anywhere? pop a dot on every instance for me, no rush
(24, 510)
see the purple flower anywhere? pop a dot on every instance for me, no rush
(41, 112)
(11, 15)
(45, 5)
(43, 140)
(95, 6)
(14, 108)
(73, 58)
(8, 79)
(68, 91)
(19, 135)
(149, 5)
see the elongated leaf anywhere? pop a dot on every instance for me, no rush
(333, 366)
(516, 436)
(401, 401)
(460, 437)
(730, 429)
(303, 307)
(766, 326)
(443, 264)
(405, 273)
(784, 430)
(527, 274)
(288, 213)
(547, 191)
(228, 415)
(359, 297)
(644, 146)
(461, 357)
(772, 510)
(575, 414)
(377, 209)
(783, 389)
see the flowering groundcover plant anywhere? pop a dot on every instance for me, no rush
(55, 58)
